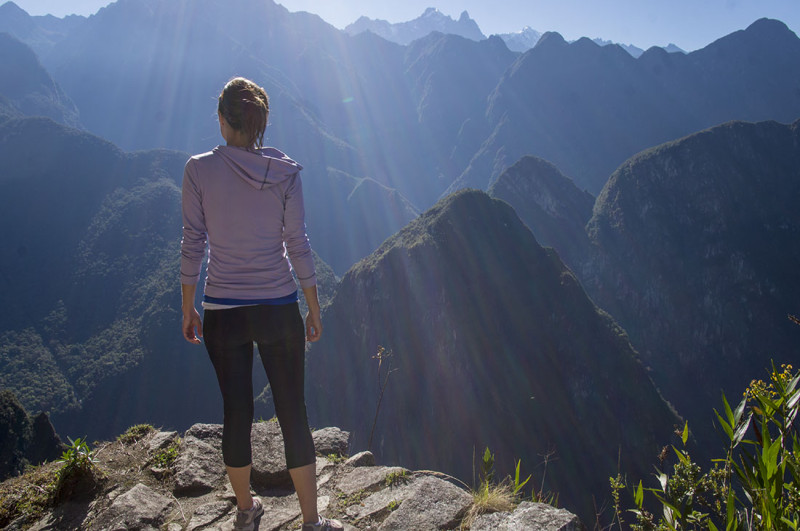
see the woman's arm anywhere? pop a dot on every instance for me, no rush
(313, 320)
(192, 324)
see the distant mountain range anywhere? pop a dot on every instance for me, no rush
(348, 102)
(587, 108)
(434, 21)
(26, 88)
(406, 32)
(693, 247)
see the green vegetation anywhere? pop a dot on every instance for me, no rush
(393, 505)
(336, 458)
(166, 457)
(344, 501)
(135, 433)
(395, 478)
(491, 496)
(29, 495)
(756, 485)
(78, 473)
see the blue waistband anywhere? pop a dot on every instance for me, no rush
(288, 299)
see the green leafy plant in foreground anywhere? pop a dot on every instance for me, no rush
(756, 485)
(77, 457)
(78, 472)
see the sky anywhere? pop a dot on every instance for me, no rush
(690, 24)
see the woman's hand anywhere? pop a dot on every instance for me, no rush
(313, 326)
(192, 326)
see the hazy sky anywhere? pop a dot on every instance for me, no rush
(690, 24)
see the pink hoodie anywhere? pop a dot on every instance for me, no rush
(248, 207)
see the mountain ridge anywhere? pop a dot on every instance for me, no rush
(477, 347)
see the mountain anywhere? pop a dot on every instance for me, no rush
(697, 254)
(91, 264)
(450, 78)
(39, 32)
(550, 204)
(588, 108)
(26, 89)
(342, 124)
(635, 51)
(24, 439)
(493, 343)
(521, 41)
(432, 20)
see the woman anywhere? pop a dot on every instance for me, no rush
(245, 202)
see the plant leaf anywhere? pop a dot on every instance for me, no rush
(741, 430)
(638, 498)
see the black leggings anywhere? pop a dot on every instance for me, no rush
(280, 334)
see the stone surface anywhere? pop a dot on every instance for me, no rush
(209, 513)
(199, 467)
(269, 459)
(139, 508)
(162, 440)
(528, 515)
(365, 458)
(378, 505)
(359, 496)
(432, 504)
(368, 479)
(331, 441)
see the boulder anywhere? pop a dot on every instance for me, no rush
(331, 441)
(529, 515)
(139, 508)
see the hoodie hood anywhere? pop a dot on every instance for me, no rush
(259, 168)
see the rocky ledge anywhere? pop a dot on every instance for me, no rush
(159, 480)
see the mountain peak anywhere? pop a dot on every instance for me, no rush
(551, 39)
(767, 25)
(11, 7)
(431, 20)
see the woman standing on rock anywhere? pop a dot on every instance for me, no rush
(245, 202)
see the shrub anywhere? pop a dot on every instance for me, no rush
(135, 433)
(756, 485)
(78, 474)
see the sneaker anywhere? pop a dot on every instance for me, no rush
(324, 524)
(246, 519)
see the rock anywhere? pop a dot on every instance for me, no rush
(331, 441)
(139, 508)
(365, 458)
(360, 494)
(199, 467)
(210, 433)
(269, 459)
(367, 478)
(208, 514)
(162, 439)
(279, 511)
(379, 504)
(45, 445)
(432, 504)
(529, 515)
